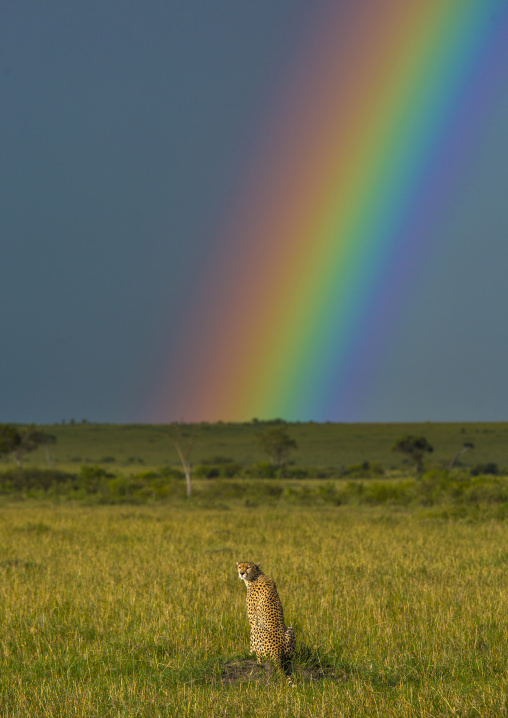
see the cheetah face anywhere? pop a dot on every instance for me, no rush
(248, 571)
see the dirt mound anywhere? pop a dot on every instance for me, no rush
(236, 671)
(246, 670)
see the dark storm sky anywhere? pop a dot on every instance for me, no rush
(124, 128)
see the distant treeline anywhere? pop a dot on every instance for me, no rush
(308, 447)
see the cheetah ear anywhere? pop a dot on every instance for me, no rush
(237, 564)
(259, 566)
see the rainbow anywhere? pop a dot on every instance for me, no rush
(360, 160)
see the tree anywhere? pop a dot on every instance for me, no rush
(20, 441)
(30, 438)
(277, 444)
(415, 447)
(184, 448)
(466, 446)
(9, 438)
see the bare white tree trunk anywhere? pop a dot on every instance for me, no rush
(49, 460)
(186, 469)
(184, 452)
(465, 448)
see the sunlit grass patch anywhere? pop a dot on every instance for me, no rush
(116, 611)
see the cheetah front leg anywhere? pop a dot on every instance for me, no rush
(253, 628)
(254, 643)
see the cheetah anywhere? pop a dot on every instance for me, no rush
(269, 635)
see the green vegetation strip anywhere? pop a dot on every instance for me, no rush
(439, 493)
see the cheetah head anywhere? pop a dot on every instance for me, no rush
(248, 571)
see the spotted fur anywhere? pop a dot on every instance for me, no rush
(269, 635)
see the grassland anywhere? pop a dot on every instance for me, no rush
(131, 446)
(119, 597)
(137, 611)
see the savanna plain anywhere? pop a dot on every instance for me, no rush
(122, 611)
(397, 597)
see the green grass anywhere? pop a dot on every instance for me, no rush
(132, 447)
(137, 611)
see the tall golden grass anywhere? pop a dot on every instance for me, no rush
(125, 611)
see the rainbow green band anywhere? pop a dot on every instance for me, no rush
(329, 228)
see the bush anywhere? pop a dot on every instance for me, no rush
(170, 472)
(206, 472)
(23, 480)
(261, 470)
(230, 470)
(388, 492)
(223, 471)
(123, 486)
(226, 489)
(266, 470)
(93, 484)
(91, 479)
(138, 489)
(324, 473)
(366, 470)
(292, 472)
(487, 491)
(93, 472)
(489, 469)
(218, 460)
(328, 493)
